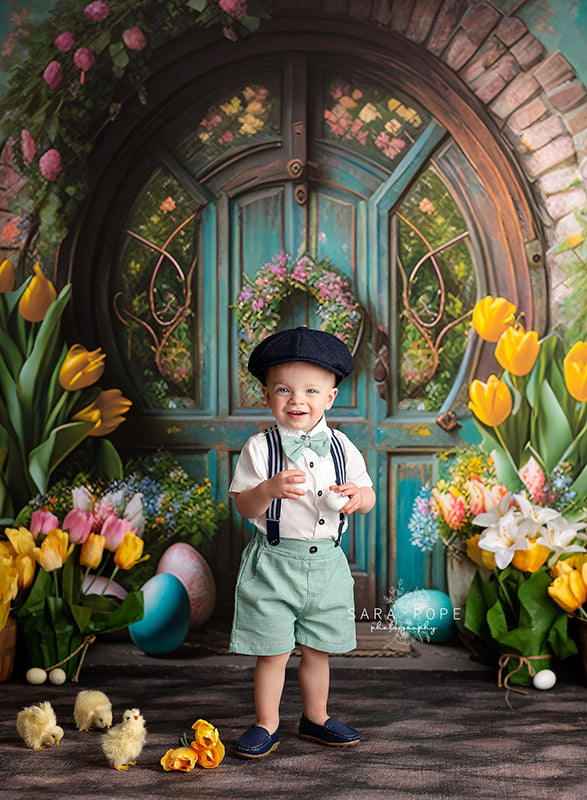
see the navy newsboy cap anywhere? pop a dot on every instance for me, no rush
(302, 344)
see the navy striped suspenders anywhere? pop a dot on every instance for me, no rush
(273, 513)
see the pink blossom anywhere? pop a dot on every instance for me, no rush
(97, 11)
(236, 8)
(79, 524)
(43, 522)
(134, 38)
(50, 164)
(28, 146)
(534, 480)
(113, 530)
(84, 58)
(102, 509)
(64, 41)
(52, 74)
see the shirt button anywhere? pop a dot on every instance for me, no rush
(313, 549)
(311, 463)
(321, 522)
(319, 492)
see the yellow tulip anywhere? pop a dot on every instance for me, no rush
(532, 559)
(560, 568)
(517, 351)
(569, 591)
(37, 297)
(479, 556)
(25, 565)
(91, 551)
(206, 734)
(110, 405)
(8, 584)
(22, 539)
(129, 551)
(81, 368)
(576, 371)
(210, 757)
(53, 552)
(491, 402)
(7, 550)
(182, 758)
(491, 316)
(7, 276)
(576, 561)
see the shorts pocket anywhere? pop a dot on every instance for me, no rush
(249, 564)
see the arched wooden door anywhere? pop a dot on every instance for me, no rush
(302, 153)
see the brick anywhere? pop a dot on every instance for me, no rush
(449, 16)
(422, 19)
(489, 52)
(400, 16)
(566, 226)
(510, 29)
(557, 180)
(459, 51)
(13, 230)
(576, 120)
(488, 86)
(521, 89)
(558, 205)
(526, 115)
(583, 170)
(543, 132)
(474, 29)
(549, 156)
(567, 95)
(553, 71)
(528, 51)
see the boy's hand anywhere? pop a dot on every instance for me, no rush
(352, 491)
(284, 485)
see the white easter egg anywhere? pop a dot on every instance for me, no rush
(545, 679)
(334, 500)
(36, 675)
(57, 676)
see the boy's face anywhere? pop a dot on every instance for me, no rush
(298, 394)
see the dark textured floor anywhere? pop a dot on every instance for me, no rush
(430, 732)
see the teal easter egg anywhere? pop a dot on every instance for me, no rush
(425, 614)
(166, 615)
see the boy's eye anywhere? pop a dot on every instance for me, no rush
(282, 390)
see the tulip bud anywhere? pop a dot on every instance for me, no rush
(7, 276)
(91, 551)
(129, 551)
(81, 368)
(576, 371)
(491, 316)
(37, 297)
(491, 402)
(517, 351)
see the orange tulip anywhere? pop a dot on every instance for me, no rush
(206, 734)
(106, 411)
(210, 757)
(532, 559)
(491, 316)
(25, 565)
(37, 297)
(53, 552)
(91, 551)
(517, 351)
(81, 368)
(569, 591)
(452, 506)
(7, 276)
(182, 758)
(576, 371)
(491, 402)
(479, 556)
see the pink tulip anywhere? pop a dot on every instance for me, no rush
(52, 74)
(236, 8)
(113, 530)
(134, 38)
(64, 41)
(97, 11)
(84, 58)
(534, 480)
(452, 506)
(28, 146)
(50, 164)
(43, 522)
(79, 524)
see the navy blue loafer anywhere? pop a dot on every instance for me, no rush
(257, 742)
(333, 733)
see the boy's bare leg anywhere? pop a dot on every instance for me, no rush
(269, 680)
(314, 680)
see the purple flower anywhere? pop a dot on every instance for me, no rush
(134, 38)
(52, 74)
(64, 41)
(28, 146)
(50, 164)
(97, 11)
(84, 58)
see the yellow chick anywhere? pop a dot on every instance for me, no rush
(123, 743)
(92, 709)
(37, 726)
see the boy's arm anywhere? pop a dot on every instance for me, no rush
(253, 502)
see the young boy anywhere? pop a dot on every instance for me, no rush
(294, 584)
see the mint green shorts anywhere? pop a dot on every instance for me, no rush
(293, 592)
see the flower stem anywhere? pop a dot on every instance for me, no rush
(110, 579)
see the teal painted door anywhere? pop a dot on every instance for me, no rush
(308, 156)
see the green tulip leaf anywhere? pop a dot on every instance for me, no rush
(98, 603)
(108, 461)
(44, 458)
(82, 617)
(552, 429)
(10, 354)
(131, 610)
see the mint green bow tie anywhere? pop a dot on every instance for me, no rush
(294, 446)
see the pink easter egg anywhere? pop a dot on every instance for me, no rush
(184, 561)
(95, 585)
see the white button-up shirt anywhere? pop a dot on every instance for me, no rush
(308, 517)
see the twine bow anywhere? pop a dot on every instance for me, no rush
(524, 662)
(88, 640)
